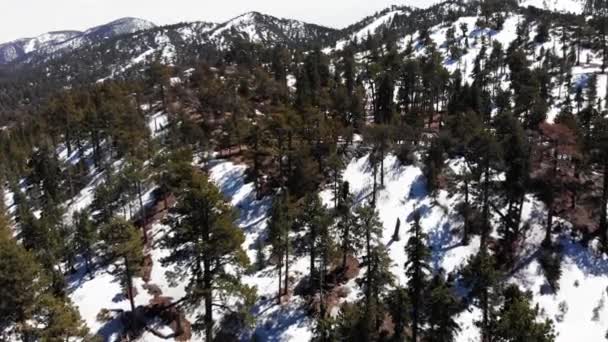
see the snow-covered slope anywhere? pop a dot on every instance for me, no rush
(53, 42)
(371, 25)
(99, 33)
(14, 50)
(564, 6)
(479, 38)
(260, 28)
(118, 27)
(578, 309)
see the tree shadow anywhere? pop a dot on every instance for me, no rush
(76, 279)
(418, 189)
(279, 322)
(583, 257)
(111, 328)
(441, 241)
(119, 297)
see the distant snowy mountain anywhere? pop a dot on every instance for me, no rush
(450, 36)
(16, 49)
(564, 6)
(373, 24)
(260, 28)
(52, 42)
(187, 41)
(119, 27)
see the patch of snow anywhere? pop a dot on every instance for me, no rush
(564, 6)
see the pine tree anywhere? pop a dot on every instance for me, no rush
(368, 233)
(22, 279)
(385, 101)
(345, 222)
(442, 307)
(123, 245)
(43, 237)
(485, 154)
(57, 320)
(46, 174)
(135, 175)
(380, 138)
(518, 321)
(324, 330)
(29, 304)
(417, 268)
(203, 241)
(398, 305)
(434, 165)
(336, 166)
(280, 63)
(316, 220)
(516, 152)
(377, 279)
(600, 157)
(481, 276)
(351, 324)
(159, 75)
(557, 141)
(85, 237)
(279, 227)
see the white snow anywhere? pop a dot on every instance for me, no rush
(157, 123)
(583, 284)
(103, 292)
(565, 6)
(371, 28)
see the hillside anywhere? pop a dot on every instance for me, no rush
(67, 41)
(425, 174)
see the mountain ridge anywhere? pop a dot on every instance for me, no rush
(54, 41)
(252, 25)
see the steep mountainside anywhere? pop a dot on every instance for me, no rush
(66, 41)
(470, 136)
(15, 50)
(264, 29)
(564, 6)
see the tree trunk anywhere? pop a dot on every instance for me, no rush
(465, 233)
(416, 299)
(313, 239)
(368, 247)
(208, 296)
(68, 139)
(336, 188)
(345, 244)
(162, 94)
(604, 45)
(289, 153)
(396, 232)
(144, 217)
(286, 286)
(485, 335)
(603, 211)
(280, 265)
(256, 168)
(375, 187)
(129, 284)
(549, 229)
(486, 208)
(382, 167)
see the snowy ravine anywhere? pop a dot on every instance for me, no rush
(583, 284)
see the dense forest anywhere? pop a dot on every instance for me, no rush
(426, 181)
